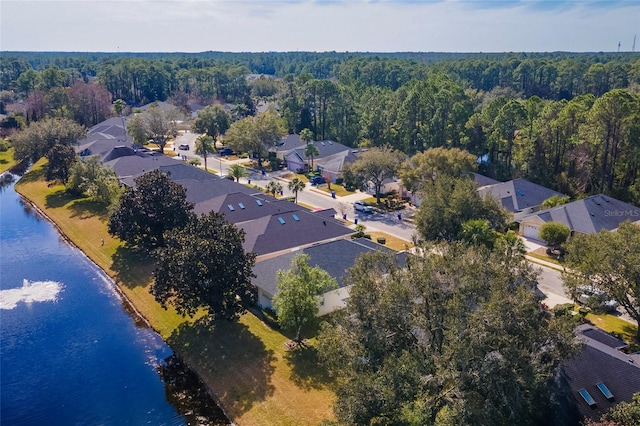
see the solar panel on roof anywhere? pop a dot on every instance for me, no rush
(587, 397)
(605, 390)
(281, 220)
(241, 205)
(231, 207)
(295, 217)
(258, 202)
(520, 192)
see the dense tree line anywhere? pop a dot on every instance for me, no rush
(567, 121)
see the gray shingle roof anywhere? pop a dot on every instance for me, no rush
(179, 170)
(109, 129)
(129, 167)
(523, 194)
(163, 106)
(288, 143)
(482, 180)
(592, 214)
(335, 257)
(241, 207)
(270, 236)
(326, 149)
(273, 226)
(201, 192)
(600, 363)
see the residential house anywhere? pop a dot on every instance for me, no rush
(482, 180)
(103, 137)
(335, 257)
(519, 196)
(271, 226)
(587, 216)
(163, 106)
(601, 375)
(331, 158)
(388, 185)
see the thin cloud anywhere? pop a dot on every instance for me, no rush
(317, 25)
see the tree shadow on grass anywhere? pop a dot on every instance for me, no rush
(306, 370)
(34, 175)
(58, 199)
(85, 208)
(230, 359)
(132, 268)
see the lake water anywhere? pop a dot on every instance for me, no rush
(69, 353)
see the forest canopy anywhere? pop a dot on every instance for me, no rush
(568, 121)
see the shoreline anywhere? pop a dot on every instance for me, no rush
(130, 307)
(127, 305)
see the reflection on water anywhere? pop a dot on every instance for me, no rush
(189, 395)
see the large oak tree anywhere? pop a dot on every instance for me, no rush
(453, 337)
(155, 205)
(448, 203)
(376, 165)
(204, 266)
(37, 139)
(608, 261)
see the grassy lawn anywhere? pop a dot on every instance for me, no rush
(544, 257)
(613, 324)
(6, 160)
(244, 364)
(392, 242)
(339, 190)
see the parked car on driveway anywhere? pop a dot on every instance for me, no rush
(595, 298)
(316, 180)
(184, 147)
(225, 151)
(361, 206)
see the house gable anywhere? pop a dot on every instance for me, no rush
(335, 257)
(519, 195)
(590, 215)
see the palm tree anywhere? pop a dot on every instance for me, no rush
(311, 151)
(274, 187)
(296, 185)
(237, 172)
(205, 145)
(306, 135)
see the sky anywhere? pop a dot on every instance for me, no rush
(319, 25)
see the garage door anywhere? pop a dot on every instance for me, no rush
(531, 231)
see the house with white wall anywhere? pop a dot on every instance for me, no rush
(335, 257)
(519, 196)
(587, 216)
